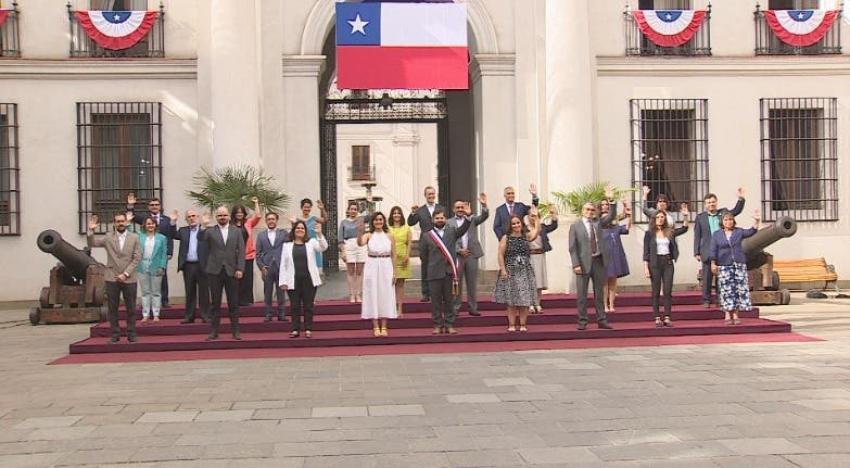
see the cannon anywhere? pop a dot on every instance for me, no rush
(764, 281)
(76, 290)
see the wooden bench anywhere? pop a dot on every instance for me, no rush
(807, 273)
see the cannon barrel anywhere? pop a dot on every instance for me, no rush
(74, 259)
(754, 245)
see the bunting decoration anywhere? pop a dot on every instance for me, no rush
(117, 30)
(669, 28)
(800, 28)
(3, 15)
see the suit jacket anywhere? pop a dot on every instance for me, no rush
(545, 229)
(286, 272)
(184, 235)
(422, 217)
(158, 258)
(268, 255)
(231, 255)
(580, 253)
(472, 243)
(118, 260)
(702, 231)
(502, 219)
(650, 248)
(438, 268)
(165, 228)
(728, 251)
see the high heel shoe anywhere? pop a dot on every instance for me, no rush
(385, 331)
(668, 322)
(376, 331)
(658, 322)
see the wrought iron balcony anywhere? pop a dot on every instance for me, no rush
(10, 37)
(637, 44)
(767, 43)
(151, 46)
(362, 174)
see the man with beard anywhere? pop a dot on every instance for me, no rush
(423, 216)
(225, 264)
(164, 227)
(269, 248)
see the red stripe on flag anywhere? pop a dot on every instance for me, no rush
(674, 40)
(800, 40)
(3, 15)
(365, 67)
(116, 43)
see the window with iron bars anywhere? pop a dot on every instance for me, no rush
(119, 151)
(361, 165)
(799, 158)
(10, 40)
(670, 151)
(10, 204)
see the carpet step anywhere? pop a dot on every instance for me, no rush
(361, 337)
(346, 321)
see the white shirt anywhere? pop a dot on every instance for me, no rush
(150, 241)
(431, 209)
(464, 240)
(223, 230)
(272, 236)
(440, 231)
(663, 245)
(121, 238)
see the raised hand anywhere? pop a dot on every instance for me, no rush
(320, 205)
(533, 190)
(645, 189)
(174, 216)
(318, 228)
(684, 210)
(609, 192)
(414, 208)
(757, 215)
(482, 199)
(93, 222)
(131, 198)
(467, 208)
(205, 218)
(740, 192)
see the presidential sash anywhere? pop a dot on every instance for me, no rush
(447, 256)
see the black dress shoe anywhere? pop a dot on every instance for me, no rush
(280, 318)
(186, 321)
(425, 299)
(474, 313)
(113, 340)
(131, 339)
(581, 326)
(212, 336)
(267, 318)
(236, 336)
(605, 326)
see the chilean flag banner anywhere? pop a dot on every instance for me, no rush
(669, 28)
(800, 28)
(117, 30)
(401, 46)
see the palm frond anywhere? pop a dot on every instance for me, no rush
(572, 201)
(237, 185)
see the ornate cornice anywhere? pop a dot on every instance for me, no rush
(303, 65)
(492, 65)
(724, 66)
(87, 69)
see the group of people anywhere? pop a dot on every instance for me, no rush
(218, 259)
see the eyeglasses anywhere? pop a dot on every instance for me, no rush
(153, 204)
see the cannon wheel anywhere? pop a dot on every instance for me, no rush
(104, 313)
(35, 315)
(44, 297)
(786, 297)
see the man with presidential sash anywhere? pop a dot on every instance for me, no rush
(440, 245)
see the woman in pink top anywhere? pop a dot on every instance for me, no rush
(239, 218)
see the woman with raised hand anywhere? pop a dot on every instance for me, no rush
(379, 302)
(729, 265)
(310, 221)
(299, 275)
(239, 218)
(618, 264)
(152, 268)
(352, 254)
(516, 286)
(660, 252)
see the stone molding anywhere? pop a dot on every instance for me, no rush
(723, 66)
(310, 66)
(492, 65)
(89, 69)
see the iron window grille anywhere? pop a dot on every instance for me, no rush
(670, 151)
(638, 44)
(361, 168)
(799, 158)
(10, 203)
(767, 43)
(10, 36)
(119, 151)
(151, 46)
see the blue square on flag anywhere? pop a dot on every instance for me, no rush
(358, 24)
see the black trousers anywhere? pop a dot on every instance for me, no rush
(230, 285)
(707, 282)
(423, 270)
(661, 275)
(597, 275)
(270, 290)
(163, 289)
(114, 290)
(197, 291)
(246, 284)
(443, 310)
(301, 299)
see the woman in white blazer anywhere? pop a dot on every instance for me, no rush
(299, 275)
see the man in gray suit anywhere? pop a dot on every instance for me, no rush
(269, 246)
(442, 259)
(225, 264)
(589, 256)
(123, 254)
(469, 251)
(423, 216)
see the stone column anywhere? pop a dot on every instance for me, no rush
(301, 124)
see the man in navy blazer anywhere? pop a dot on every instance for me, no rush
(468, 251)
(502, 219)
(191, 260)
(707, 223)
(269, 246)
(423, 216)
(164, 226)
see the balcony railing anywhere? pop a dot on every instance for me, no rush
(151, 46)
(361, 174)
(767, 43)
(10, 37)
(638, 44)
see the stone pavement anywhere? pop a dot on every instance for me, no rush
(745, 405)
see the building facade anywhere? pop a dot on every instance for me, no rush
(563, 93)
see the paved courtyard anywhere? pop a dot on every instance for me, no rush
(744, 405)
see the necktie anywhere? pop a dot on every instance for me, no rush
(511, 210)
(593, 243)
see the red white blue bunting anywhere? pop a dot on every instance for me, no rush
(117, 30)
(669, 28)
(800, 28)
(3, 15)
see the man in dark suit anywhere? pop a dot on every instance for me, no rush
(589, 256)
(468, 252)
(269, 245)
(165, 228)
(442, 257)
(707, 223)
(423, 216)
(192, 260)
(123, 254)
(225, 264)
(502, 219)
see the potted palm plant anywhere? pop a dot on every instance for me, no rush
(237, 184)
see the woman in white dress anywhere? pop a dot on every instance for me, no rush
(378, 275)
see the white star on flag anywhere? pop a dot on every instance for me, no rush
(357, 25)
(669, 16)
(117, 17)
(801, 15)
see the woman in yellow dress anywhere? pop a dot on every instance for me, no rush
(401, 234)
